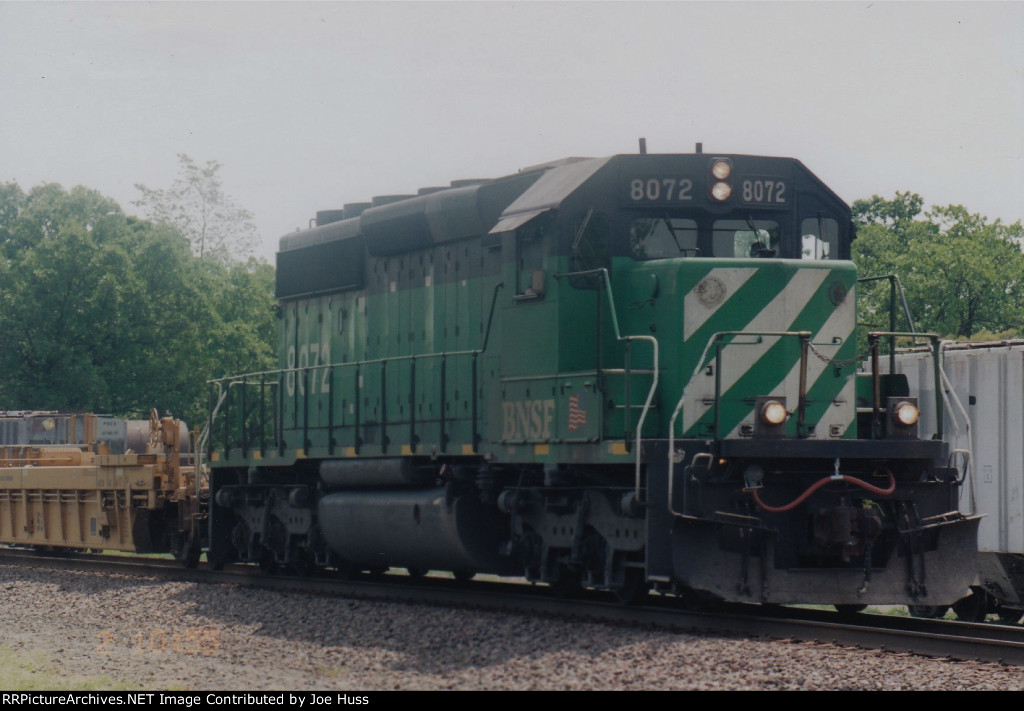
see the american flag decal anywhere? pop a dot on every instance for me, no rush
(577, 415)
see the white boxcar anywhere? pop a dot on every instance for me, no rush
(986, 418)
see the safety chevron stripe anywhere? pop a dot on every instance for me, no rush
(779, 314)
(698, 310)
(834, 340)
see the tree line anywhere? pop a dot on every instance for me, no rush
(963, 275)
(107, 312)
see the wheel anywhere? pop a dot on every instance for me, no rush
(634, 588)
(303, 563)
(567, 585)
(930, 612)
(346, 570)
(847, 611)
(695, 601)
(416, 572)
(190, 557)
(1008, 616)
(267, 564)
(972, 608)
(464, 576)
(217, 561)
(190, 551)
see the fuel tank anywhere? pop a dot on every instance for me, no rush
(426, 529)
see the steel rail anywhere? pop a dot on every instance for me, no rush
(928, 638)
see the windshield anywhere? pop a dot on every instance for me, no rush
(819, 238)
(745, 238)
(663, 238)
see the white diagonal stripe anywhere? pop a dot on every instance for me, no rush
(697, 313)
(840, 324)
(777, 315)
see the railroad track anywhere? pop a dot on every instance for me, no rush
(933, 638)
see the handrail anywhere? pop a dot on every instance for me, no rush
(603, 272)
(895, 285)
(321, 366)
(204, 437)
(948, 393)
(284, 371)
(301, 388)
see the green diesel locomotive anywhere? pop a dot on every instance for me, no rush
(626, 373)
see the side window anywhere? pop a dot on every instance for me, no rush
(589, 248)
(663, 238)
(591, 234)
(530, 241)
(819, 238)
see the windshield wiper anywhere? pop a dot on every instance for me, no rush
(765, 249)
(672, 230)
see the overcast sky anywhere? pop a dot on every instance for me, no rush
(311, 105)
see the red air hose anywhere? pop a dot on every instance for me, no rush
(820, 483)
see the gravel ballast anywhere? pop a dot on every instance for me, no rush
(160, 635)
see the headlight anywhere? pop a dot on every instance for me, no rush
(907, 414)
(901, 417)
(721, 169)
(721, 191)
(773, 412)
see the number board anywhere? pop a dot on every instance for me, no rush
(762, 191)
(679, 190)
(662, 189)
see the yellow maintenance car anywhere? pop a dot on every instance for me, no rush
(71, 489)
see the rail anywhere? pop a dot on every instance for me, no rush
(908, 636)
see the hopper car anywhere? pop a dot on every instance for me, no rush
(981, 388)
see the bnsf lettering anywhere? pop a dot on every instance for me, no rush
(527, 420)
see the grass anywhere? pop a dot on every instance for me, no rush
(34, 671)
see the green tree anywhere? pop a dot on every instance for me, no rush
(110, 313)
(896, 215)
(67, 271)
(12, 201)
(962, 274)
(197, 206)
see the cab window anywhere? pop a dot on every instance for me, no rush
(745, 238)
(591, 234)
(530, 244)
(819, 238)
(663, 238)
